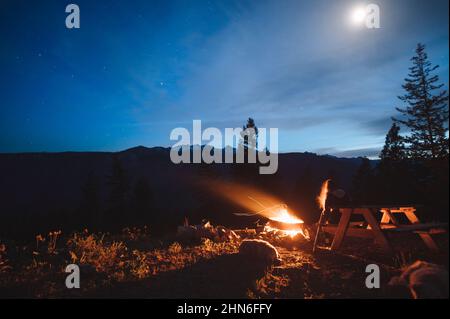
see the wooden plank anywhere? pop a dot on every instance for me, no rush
(433, 231)
(378, 234)
(400, 210)
(379, 206)
(415, 227)
(342, 228)
(351, 231)
(388, 226)
(357, 224)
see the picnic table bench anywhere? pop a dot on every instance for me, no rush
(389, 223)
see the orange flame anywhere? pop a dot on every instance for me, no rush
(322, 198)
(282, 215)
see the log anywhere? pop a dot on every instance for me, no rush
(417, 227)
(351, 231)
(285, 226)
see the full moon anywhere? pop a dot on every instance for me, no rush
(358, 15)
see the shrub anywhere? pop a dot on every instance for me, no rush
(106, 257)
(175, 248)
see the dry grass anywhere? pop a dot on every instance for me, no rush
(268, 286)
(3, 261)
(137, 261)
(104, 259)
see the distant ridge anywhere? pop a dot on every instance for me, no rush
(37, 183)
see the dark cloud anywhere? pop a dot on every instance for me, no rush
(378, 126)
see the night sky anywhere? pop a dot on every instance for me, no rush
(135, 70)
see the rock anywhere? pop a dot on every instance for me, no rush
(186, 233)
(259, 249)
(424, 280)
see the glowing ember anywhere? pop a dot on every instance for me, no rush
(285, 233)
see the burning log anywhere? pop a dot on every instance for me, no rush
(282, 229)
(284, 226)
(281, 222)
(287, 224)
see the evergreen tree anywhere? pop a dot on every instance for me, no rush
(247, 172)
(250, 134)
(394, 147)
(426, 112)
(394, 181)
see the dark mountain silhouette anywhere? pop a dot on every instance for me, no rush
(53, 184)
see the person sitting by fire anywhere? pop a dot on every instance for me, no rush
(336, 197)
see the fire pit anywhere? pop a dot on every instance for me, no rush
(280, 222)
(285, 224)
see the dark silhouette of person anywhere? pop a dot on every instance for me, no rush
(336, 198)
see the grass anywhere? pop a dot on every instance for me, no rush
(133, 263)
(110, 258)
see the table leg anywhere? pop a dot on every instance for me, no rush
(342, 228)
(427, 239)
(388, 216)
(412, 217)
(378, 234)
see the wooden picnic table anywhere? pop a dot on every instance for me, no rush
(372, 228)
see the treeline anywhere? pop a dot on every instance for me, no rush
(413, 167)
(128, 202)
(106, 203)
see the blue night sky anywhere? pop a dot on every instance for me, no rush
(135, 70)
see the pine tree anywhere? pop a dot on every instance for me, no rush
(394, 147)
(250, 134)
(426, 112)
(248, 171)
(393, 179)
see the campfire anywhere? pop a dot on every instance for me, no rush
(284, 224)
(280, 222)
